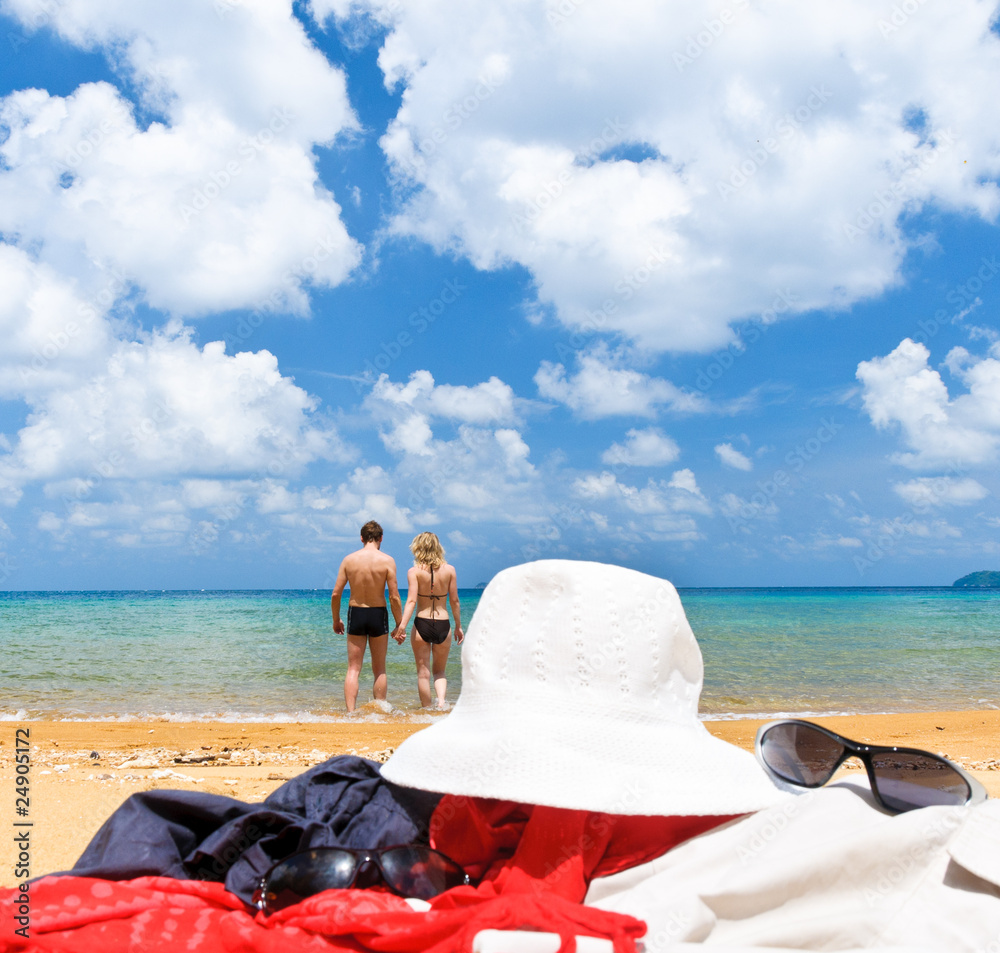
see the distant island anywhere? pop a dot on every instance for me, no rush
(984, 579)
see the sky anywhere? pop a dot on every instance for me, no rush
(705, 289)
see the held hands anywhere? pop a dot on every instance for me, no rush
(399, 634)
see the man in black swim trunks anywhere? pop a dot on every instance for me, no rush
(366, 573)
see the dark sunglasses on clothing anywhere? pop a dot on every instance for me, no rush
(410, 871)
(902, 779)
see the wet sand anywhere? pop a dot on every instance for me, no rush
(71, 792)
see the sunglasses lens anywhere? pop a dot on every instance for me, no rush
(420, 872)
(800, 754)
(908, 780)
(308, 873)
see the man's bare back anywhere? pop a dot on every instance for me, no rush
(367, 571)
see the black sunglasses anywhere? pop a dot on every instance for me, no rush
(902, 779)
(410, 871)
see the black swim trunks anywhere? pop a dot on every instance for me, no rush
(367, 620)
(434, 631)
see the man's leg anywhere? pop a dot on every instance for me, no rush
(378, 644)
(355, 656)
(422, 656)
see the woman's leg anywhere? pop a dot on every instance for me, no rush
(440, 653)
(422, 656)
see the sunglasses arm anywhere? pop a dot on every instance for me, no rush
(977, 793)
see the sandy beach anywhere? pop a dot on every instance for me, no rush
(81, 771)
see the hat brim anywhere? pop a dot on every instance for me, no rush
(617, 764)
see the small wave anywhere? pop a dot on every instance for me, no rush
(373, 712)
(389, 715)
(775, 715)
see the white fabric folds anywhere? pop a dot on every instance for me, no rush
(828, 871)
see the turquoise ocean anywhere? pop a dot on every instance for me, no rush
(272, 655)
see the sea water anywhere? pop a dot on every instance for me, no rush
(272, 655)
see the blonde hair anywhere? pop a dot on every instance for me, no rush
(427, 550)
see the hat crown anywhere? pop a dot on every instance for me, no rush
(582, 636)
(580, 686)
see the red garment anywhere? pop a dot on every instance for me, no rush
(536, 863)
(163, 915)
(555, 850)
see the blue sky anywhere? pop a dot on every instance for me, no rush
(709, 291)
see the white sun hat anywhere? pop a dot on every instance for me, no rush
(580, 685)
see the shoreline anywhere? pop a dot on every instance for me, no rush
(72, 793)
(373, 713)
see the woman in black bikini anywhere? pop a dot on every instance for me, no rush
(430, 583)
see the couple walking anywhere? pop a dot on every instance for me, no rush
(431, 582)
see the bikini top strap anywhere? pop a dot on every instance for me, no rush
(430, 595)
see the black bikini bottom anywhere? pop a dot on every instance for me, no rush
(434, 631)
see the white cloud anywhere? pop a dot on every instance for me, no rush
(596, 486)
(822, 541)
(731, 457)
(52, 337)
(603, 387)
(739, 512)
(410, 435)
(678, 495)
(660, 510)
(367, 493)
(515, 452)
(490, 402)
(262, 511)
(163, 407)
(662, 187)
(482, 472)
(211, 201)
(404, 413)
(925, 492)
(276, 498)
(457, 538)
(685, 480)
(643, 448)
(901, 390)
(49, 522)
(155, 520)
(216, 203)
(215, 495)
(312, 516)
